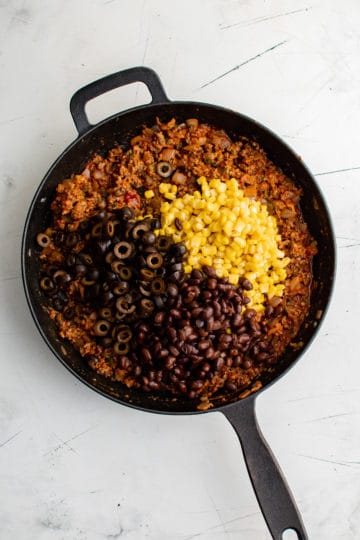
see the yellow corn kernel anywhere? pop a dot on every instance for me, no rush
(164, 188)
(149, 194)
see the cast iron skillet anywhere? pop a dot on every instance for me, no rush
(275, 500)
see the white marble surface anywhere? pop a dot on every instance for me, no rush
(75, 466)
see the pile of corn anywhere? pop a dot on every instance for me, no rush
(222, 228)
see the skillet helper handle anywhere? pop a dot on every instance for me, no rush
(111, 82)
(274, 497)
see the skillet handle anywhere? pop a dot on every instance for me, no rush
(110, 82)
(276, 502)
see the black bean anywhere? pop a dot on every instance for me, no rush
(204, 344)
(174, 351)
(178, 224)
(124, 362)
(211, 283)
(197, 385)
(197, 274)
(231, 386)
(209, 271)
(146, 355)
(219, 363)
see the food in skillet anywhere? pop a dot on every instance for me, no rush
(181, 264)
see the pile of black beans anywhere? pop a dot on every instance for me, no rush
(201, 331)
(169, 331)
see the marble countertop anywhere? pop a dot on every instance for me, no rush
(76, 466)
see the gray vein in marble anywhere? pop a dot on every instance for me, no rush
(245, 62)
(66, 443)
(321, 418)
(9, 278)
(337, 171)
(15, 119)
(257, 20)
(334, 462)
(10, 438)
(228, 522)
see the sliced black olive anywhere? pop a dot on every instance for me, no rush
(87, 282)
(102, 327)
(125, 213)
(47, 284)
(108, 275)
(125, 273)
(121, 287)
(109, 257)
(148, 238)
(106, 297)
(83, 226)
(110, 228)
(139, 230)
(116, 265)
(178, 250)
(85, 258)
(80, 269)
(128, 228)
(124, 334)
(93, 291)
(146, 274)
(43, 240)
(146, 307)
(63, 296)
(149, 249)
(157, 286)
(121, 348)
(106, 341)
(124, 305)
(57, 304)
(96, 230)
(69, 313)
(144, 288)
(164, 169)
(155, 224)
(100, 247)
(154, 260)
(93, 274)
(105, 313)
(72, 239)
(70, 260)
(60, 276)
(163, 243)
(123, 250)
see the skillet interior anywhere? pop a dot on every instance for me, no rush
(118, 130)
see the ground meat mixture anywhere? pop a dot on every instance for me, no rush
(123, 291)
